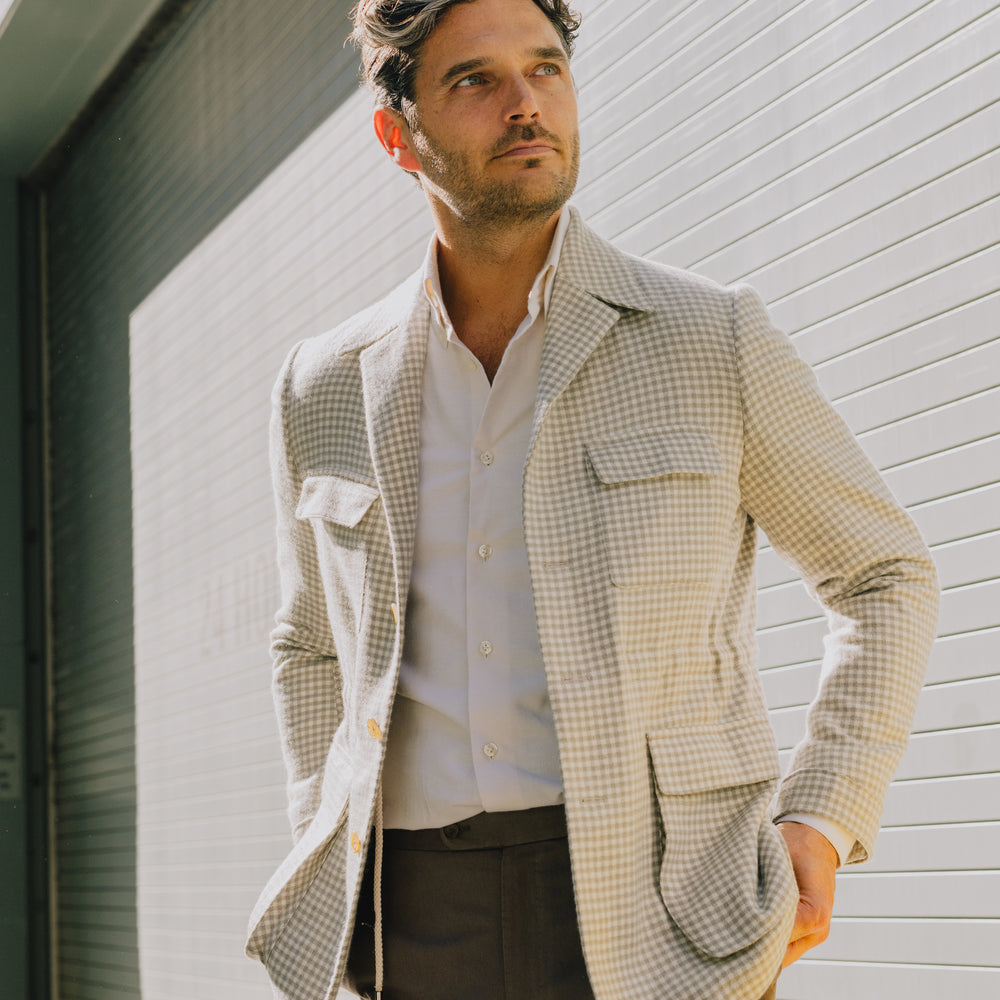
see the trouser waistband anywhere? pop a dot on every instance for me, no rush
(485, 831)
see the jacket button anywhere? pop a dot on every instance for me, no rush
(355, 843)
(373, 730)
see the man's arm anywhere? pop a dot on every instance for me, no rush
(826, 510)
(306, 681)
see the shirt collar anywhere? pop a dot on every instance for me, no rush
(538, 298)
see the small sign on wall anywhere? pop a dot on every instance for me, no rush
(10, 754)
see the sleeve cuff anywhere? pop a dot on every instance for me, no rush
(842, 840)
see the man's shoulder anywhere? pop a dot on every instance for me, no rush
(319, 357)
(666, 283)
(364, 327)
(639, 281)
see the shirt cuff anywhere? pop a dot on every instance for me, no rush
(842, 840)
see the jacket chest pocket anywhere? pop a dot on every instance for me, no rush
(663, 505)
(338, 509)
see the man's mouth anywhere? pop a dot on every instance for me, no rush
(532, 149)
(527, 142)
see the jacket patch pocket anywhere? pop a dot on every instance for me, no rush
(337, 508)
(725, 878)
(665, 506)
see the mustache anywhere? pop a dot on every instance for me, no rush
(517, 135)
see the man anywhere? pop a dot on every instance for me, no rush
(514, 667)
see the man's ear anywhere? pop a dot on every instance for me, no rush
(395, 139)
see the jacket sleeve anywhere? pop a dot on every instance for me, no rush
(306, 681)
(826, 511)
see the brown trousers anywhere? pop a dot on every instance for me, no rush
(479, 910)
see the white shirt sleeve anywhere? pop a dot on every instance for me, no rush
(842, 840)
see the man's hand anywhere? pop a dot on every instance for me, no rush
(815, 862)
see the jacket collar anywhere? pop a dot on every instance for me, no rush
(591, 265)
(594, 285)
(588, 265)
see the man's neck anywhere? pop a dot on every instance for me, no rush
(486, 278)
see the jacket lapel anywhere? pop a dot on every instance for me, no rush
(594, 284)
(392, 369)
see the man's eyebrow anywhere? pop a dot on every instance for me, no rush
(552, 52)
(460, 69)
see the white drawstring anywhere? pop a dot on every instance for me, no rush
(378, 894)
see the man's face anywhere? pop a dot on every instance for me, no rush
(494, 121)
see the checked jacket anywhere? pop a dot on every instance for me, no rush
(671, 419)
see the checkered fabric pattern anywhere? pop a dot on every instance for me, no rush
(671, 417)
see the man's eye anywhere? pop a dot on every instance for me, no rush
(472, 80)
(549, 69)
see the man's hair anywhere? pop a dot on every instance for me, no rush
(390, 33)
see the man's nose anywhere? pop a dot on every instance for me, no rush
(520, 105)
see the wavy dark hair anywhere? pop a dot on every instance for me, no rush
(389, 34)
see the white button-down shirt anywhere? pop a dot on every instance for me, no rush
(472, 728)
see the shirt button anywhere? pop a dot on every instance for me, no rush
(485, 647)
(491, 750)
(485, 551)
(486, 458)
(373, 730)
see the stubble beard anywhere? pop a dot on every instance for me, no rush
(488, 204)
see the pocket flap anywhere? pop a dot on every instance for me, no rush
(334, 498)
(659, 451)
(701, 758)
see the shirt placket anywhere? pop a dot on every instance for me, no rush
(495, 468)
(488, 656)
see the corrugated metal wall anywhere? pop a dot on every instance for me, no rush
(840, 155)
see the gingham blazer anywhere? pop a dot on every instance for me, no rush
(671, 417)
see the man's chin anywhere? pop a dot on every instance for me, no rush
(515, 203)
